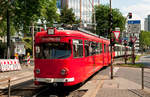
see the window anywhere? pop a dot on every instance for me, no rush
(77, 48)
(94, 48)
(104, 48)
(86, 46)
(101, 49)
(53, 50)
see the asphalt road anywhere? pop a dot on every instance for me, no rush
(130, 73)
(145, 60)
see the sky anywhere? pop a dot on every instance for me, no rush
(139, 8)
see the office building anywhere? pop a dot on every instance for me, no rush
(146, 24)
(82, 8)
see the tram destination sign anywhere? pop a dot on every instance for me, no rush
(134, 26)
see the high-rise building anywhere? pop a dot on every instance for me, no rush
(146, 24)
(83, 9)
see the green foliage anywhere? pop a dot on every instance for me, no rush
(3, 28)
(102, 19)
(28, 42)
(144, 39)
(68, 17)
(24, 13)
(131, 65)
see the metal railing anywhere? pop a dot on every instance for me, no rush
(10, 83)
(6, 81)
(145, 77)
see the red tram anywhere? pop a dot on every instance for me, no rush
(68, 57)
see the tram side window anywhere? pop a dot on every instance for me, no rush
(94, 48)
(101, 49)
(77, 48)
(86, 46)
(104, 47)
(98, 48)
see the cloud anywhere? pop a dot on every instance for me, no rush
(139, 11)
(147, 1)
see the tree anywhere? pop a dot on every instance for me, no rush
(102, 19)
(68, 17)
(23, 13)
(144, 39)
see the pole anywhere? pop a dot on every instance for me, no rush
(133, 56)
(111, 66)
(9, 87)
(142, 77)
(93, 10)
(125, 54)
(33, 41)
(98, 2)
(8, 35)
(80, 12)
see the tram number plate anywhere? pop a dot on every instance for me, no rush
(48, 80)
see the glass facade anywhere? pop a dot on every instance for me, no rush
(59, 4)
(148, 22)
(86, 8)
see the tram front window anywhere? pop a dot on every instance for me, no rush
(53, 51)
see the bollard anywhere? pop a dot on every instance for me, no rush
(9, 87)
(142, 78)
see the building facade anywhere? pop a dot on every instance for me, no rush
(83, 9)
(146, 24)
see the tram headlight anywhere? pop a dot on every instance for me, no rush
(64, 71)
(37, 71)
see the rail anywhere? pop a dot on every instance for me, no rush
(145, 77)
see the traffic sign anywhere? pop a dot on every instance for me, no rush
(133, 38)
(116, 34)
(117, 29)
(134, 26)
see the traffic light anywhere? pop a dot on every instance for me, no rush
(130, 15)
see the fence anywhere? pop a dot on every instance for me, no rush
(6, 82)
(145, 77)
(10, 83)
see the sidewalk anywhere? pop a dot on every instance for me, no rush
(121, 87)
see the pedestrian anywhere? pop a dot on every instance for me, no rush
(28, 59)
(16, 55)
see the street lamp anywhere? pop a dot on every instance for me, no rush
(111, 42)
(8, 31)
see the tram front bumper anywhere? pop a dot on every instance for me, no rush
(53, 80)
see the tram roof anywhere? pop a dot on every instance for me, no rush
(72, 33)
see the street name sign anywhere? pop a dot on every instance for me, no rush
(134, 26)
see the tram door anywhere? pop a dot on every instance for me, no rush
(105, 55)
